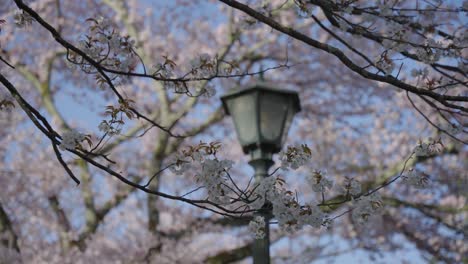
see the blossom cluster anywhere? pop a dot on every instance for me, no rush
(108, 128)
(104, 45)
(396, 30)
(257, 227)
(71, 139)
(213, 171)
(270, 192)
(22, 19)
(6, 103)
(164, 69)
(262, 191)
(184, 161)
(416, 179)
(113, 51)
(286, 209)
(295, 156)
(352, 187)
(365, 207)
(291, 216)
(430, 147)
(113, 126)
(386, 65)
(211, 176)
(203, 65)
(319, 182)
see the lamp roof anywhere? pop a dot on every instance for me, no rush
(261, 86)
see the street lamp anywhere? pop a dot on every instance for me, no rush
(262, 115)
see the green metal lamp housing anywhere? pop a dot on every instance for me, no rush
(262, 115)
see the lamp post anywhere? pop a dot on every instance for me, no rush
(262, 115)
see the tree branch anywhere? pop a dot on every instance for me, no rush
(8, 237)
(442, 98)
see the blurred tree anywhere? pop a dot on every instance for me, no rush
(118, 94)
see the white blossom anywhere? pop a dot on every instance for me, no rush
(6, 102)
(286, 210)
(290, 215)
(428, 55)
(319, 182)
(295, 157)
(70, 139)
(104, 44)
(257, 226)
(416, 179)
(355, 187)
(181, 165)
(262, 190)
(386, 66)
(313, 217)
(212, 178)
(204, 65)
(105, 127)
(104, 22)
(422, 150)
(163, 71)
(198, 156)
(365, 207)
(92, 51)
(352, 187)
(22, 19)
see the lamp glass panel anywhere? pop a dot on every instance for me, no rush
(243, 112)
(287, 123)
(273, 110)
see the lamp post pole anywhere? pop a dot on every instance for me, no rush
(261, 247)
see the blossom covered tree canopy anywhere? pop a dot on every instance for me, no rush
(115, 148)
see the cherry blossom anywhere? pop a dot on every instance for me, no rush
(294, 157)
(365, 207)
(416, 179)
(71, 139)
(352, 186)
(257, 227)
(346, 60)
(22, 19)
(319, 182)
(211, 176)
